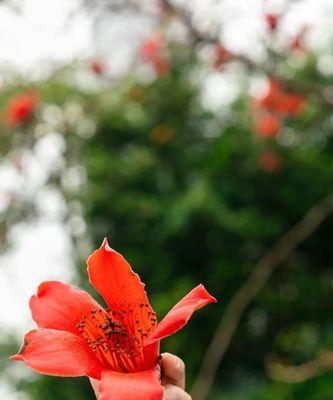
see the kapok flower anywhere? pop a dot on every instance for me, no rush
(297, 43)
(153, 52)
(21, 107)
(151, 48)
(270, 161)
(278, 100)
(118, 345)
(97, 67)
(221, 56)
(266, 125)
(272, 21)
(291, 104)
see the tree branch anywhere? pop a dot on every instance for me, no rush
(201, 37)
(187, 20)
(302, 372)
(259, 276)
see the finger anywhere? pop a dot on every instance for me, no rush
(172, 392)
(94, 384)
(173, 370)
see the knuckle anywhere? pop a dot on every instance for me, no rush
(175, 393)
(167, 393)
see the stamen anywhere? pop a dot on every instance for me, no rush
(116, 336)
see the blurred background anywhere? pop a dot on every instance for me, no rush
(197, 136)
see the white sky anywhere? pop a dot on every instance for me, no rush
(45, 32)
(42, 31)
(39, 249)
(55, 32)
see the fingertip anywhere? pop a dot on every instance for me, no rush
(176, 362)
(173, 369)
(173, 364)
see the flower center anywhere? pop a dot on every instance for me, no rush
(117, 336)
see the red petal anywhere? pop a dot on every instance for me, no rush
(60, 306)
(121, 288)
(179, 315)
(144, 385)
(58, 353)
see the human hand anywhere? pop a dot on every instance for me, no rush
(173, 378)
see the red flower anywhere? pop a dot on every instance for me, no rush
(161, 66)
(272, 21)
(266, 125)
(97, 67)
(269, 99)
(290, 104)
(269, 161)
(21, 107)
(221, 56)
(282, 102)
(296, 44)
(151, 48)
(153, 52)
(118, 345)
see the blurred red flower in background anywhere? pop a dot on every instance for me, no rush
(280, 101)
(270, 161)
(290, 104)
(153, 52)
(21, 107)
(272, 21)
(221, 56)
(118, 345)
(97, 67)
(297, 44)
(271, 108)
(268, 99)
(151, 48)
(161, 66)
(266, 125)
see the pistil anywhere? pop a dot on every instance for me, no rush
(116, 336)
